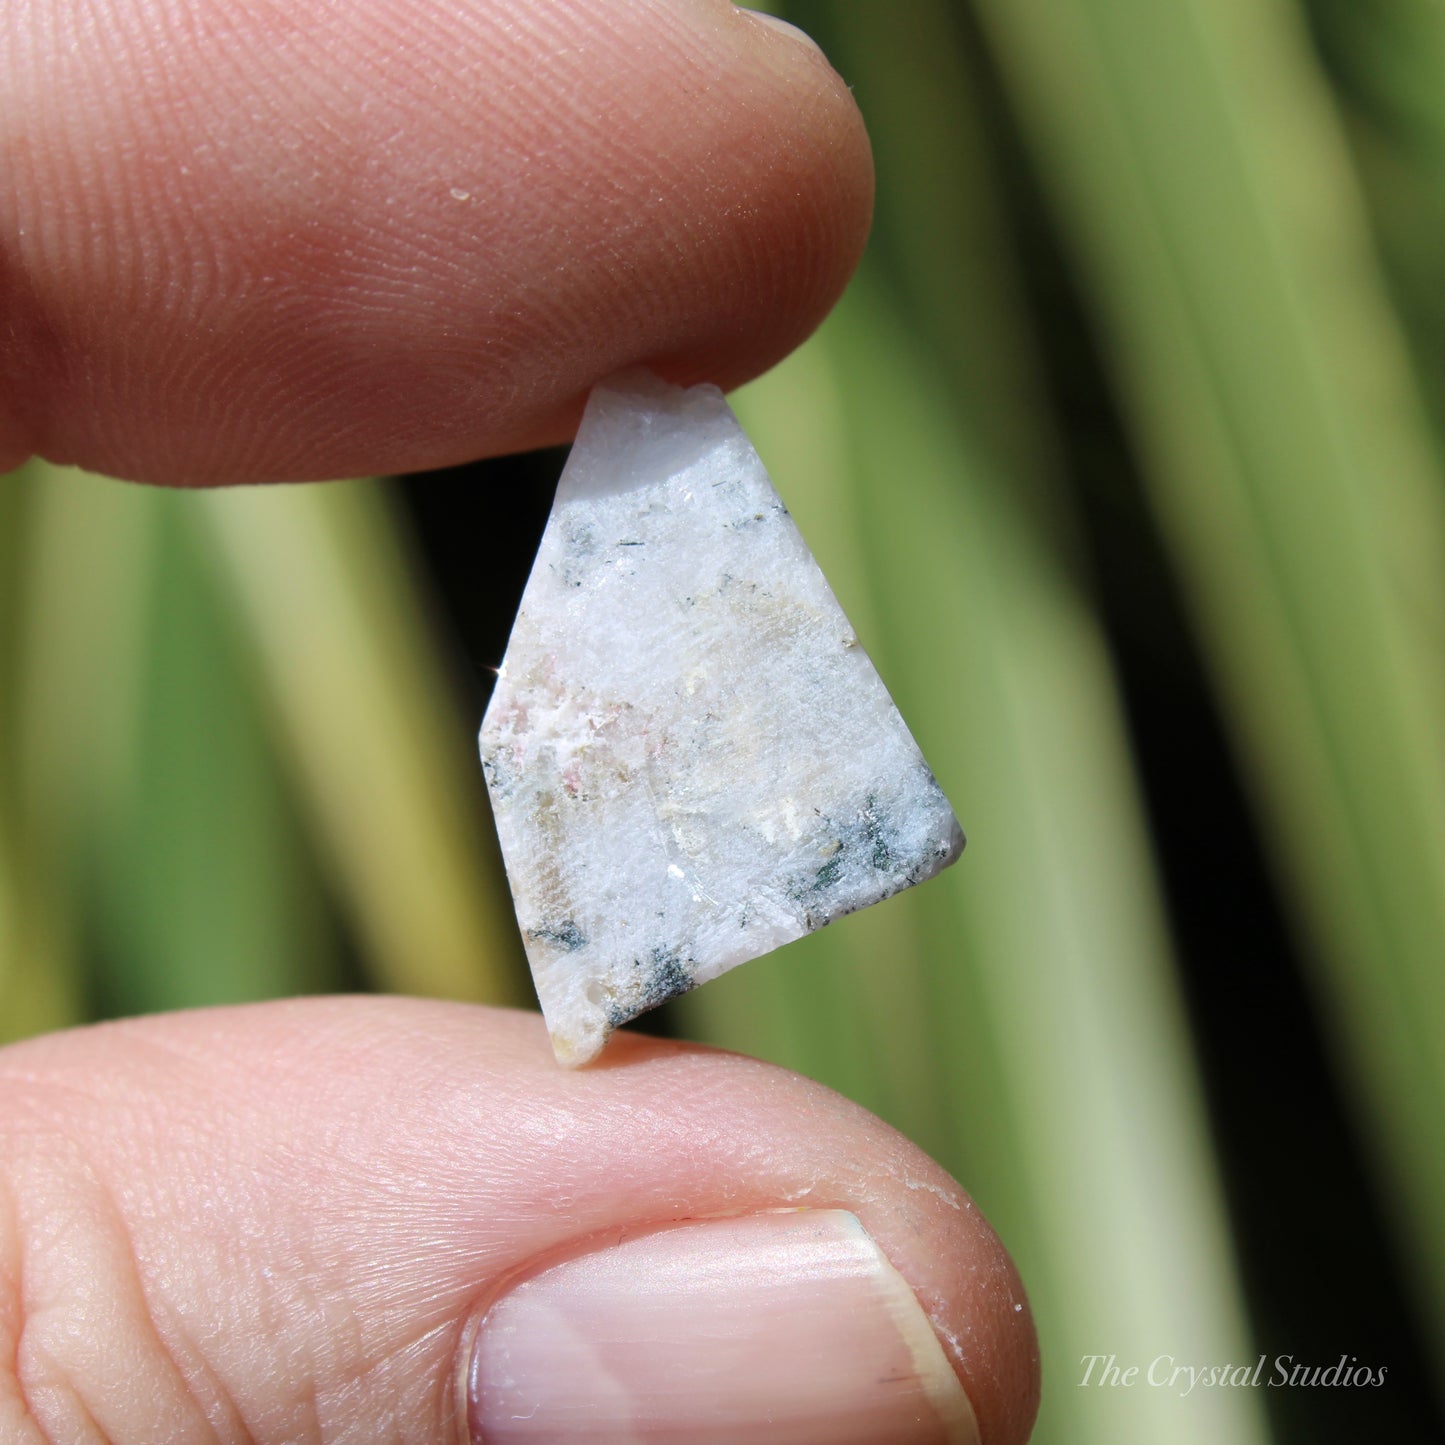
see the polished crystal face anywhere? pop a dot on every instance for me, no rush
(690, 758)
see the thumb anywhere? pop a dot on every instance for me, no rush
(365, 1219)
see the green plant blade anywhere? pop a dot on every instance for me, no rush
(70, 610)
(343, 651)
(1388, 59)
(1195, 159)
(153, 814)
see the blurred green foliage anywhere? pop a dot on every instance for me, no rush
(233, 764)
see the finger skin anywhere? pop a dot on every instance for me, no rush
(277, 1220)
(287, 239)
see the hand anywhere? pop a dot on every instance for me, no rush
(290, 238)
(285, 1222)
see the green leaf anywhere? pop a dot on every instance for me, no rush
(1197, 165)
(343, 651)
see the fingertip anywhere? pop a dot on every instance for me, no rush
(301, 240)
(923, 1220)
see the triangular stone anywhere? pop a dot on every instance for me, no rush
(690, 758)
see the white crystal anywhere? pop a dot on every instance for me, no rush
(690, 758)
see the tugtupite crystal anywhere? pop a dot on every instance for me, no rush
(690, 758)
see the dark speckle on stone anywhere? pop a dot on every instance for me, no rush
(566, 935)
(876, 834)
(664, 974)
(496, 775)
(580, 545)
(753, 518)
(671, 975)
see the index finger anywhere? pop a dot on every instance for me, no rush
(299, 239)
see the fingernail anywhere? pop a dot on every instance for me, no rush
(782, 25)
(775, 1328)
